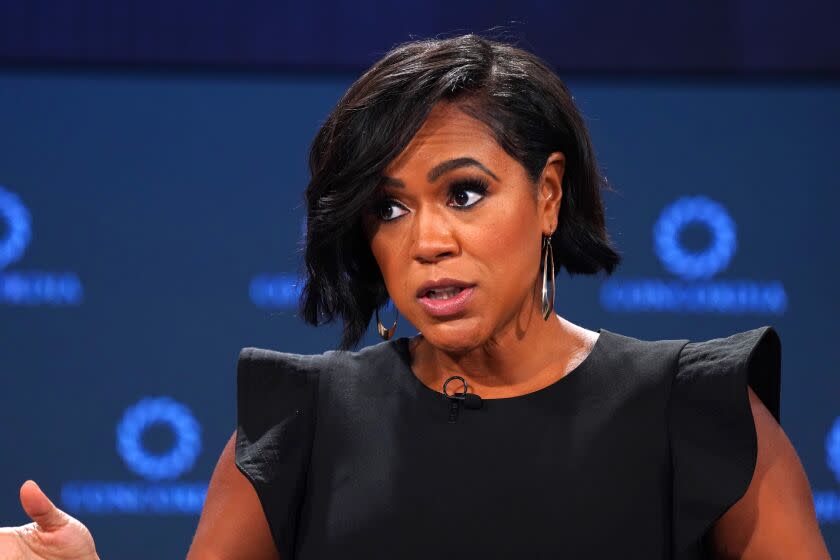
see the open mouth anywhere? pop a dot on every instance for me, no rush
(443, 293)
(446, 301)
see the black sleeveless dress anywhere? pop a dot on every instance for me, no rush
(633, 454)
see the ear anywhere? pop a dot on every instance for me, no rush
(551, 191)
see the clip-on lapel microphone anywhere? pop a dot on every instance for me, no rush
(469, 400)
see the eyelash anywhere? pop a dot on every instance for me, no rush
(476, 185)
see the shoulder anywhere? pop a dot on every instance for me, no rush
(266, 359)
(750, 358)
(264, 369)
(628, 344)
(638, 358)
(715, 370)
(738, 347)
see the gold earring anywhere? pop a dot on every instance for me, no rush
(384, 332)
(547, 285)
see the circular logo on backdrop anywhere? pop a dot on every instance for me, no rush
(146, 413)
(694, 210)
(832, 448)
(15, 220)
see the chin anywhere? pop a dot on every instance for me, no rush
(456, 335)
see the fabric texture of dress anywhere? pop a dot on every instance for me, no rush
(635, 453)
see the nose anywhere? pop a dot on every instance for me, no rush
(433, 237)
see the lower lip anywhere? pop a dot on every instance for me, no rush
(450, 306)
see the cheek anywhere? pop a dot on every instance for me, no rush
(381, 255)
(511, 235)
(510, 251)
(387, 257)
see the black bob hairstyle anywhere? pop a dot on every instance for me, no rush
(531, 114)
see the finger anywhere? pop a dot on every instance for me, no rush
(38, 506)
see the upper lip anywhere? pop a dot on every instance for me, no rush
(441, 283)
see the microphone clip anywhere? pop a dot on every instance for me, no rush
(469, 400)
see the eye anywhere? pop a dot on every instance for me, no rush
(468, 192)
(463, 194)
(385, 207)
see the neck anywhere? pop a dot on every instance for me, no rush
(521, 357)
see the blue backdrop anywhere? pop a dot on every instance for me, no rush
(734, 36)
(150, 227)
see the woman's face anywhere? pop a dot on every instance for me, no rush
(456, 208)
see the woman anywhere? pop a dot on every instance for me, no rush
(454, 178)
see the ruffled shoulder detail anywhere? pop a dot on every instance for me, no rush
(276, 403)
(712, 431)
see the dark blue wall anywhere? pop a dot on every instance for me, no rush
(146, 222)
(656, 35)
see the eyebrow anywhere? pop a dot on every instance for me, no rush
(442, 168)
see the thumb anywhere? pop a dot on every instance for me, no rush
(38, 506)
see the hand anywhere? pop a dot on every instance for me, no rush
(53, 535)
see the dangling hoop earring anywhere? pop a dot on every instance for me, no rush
(384, 332)
(547, 284)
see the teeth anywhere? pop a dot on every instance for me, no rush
(443, 293)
